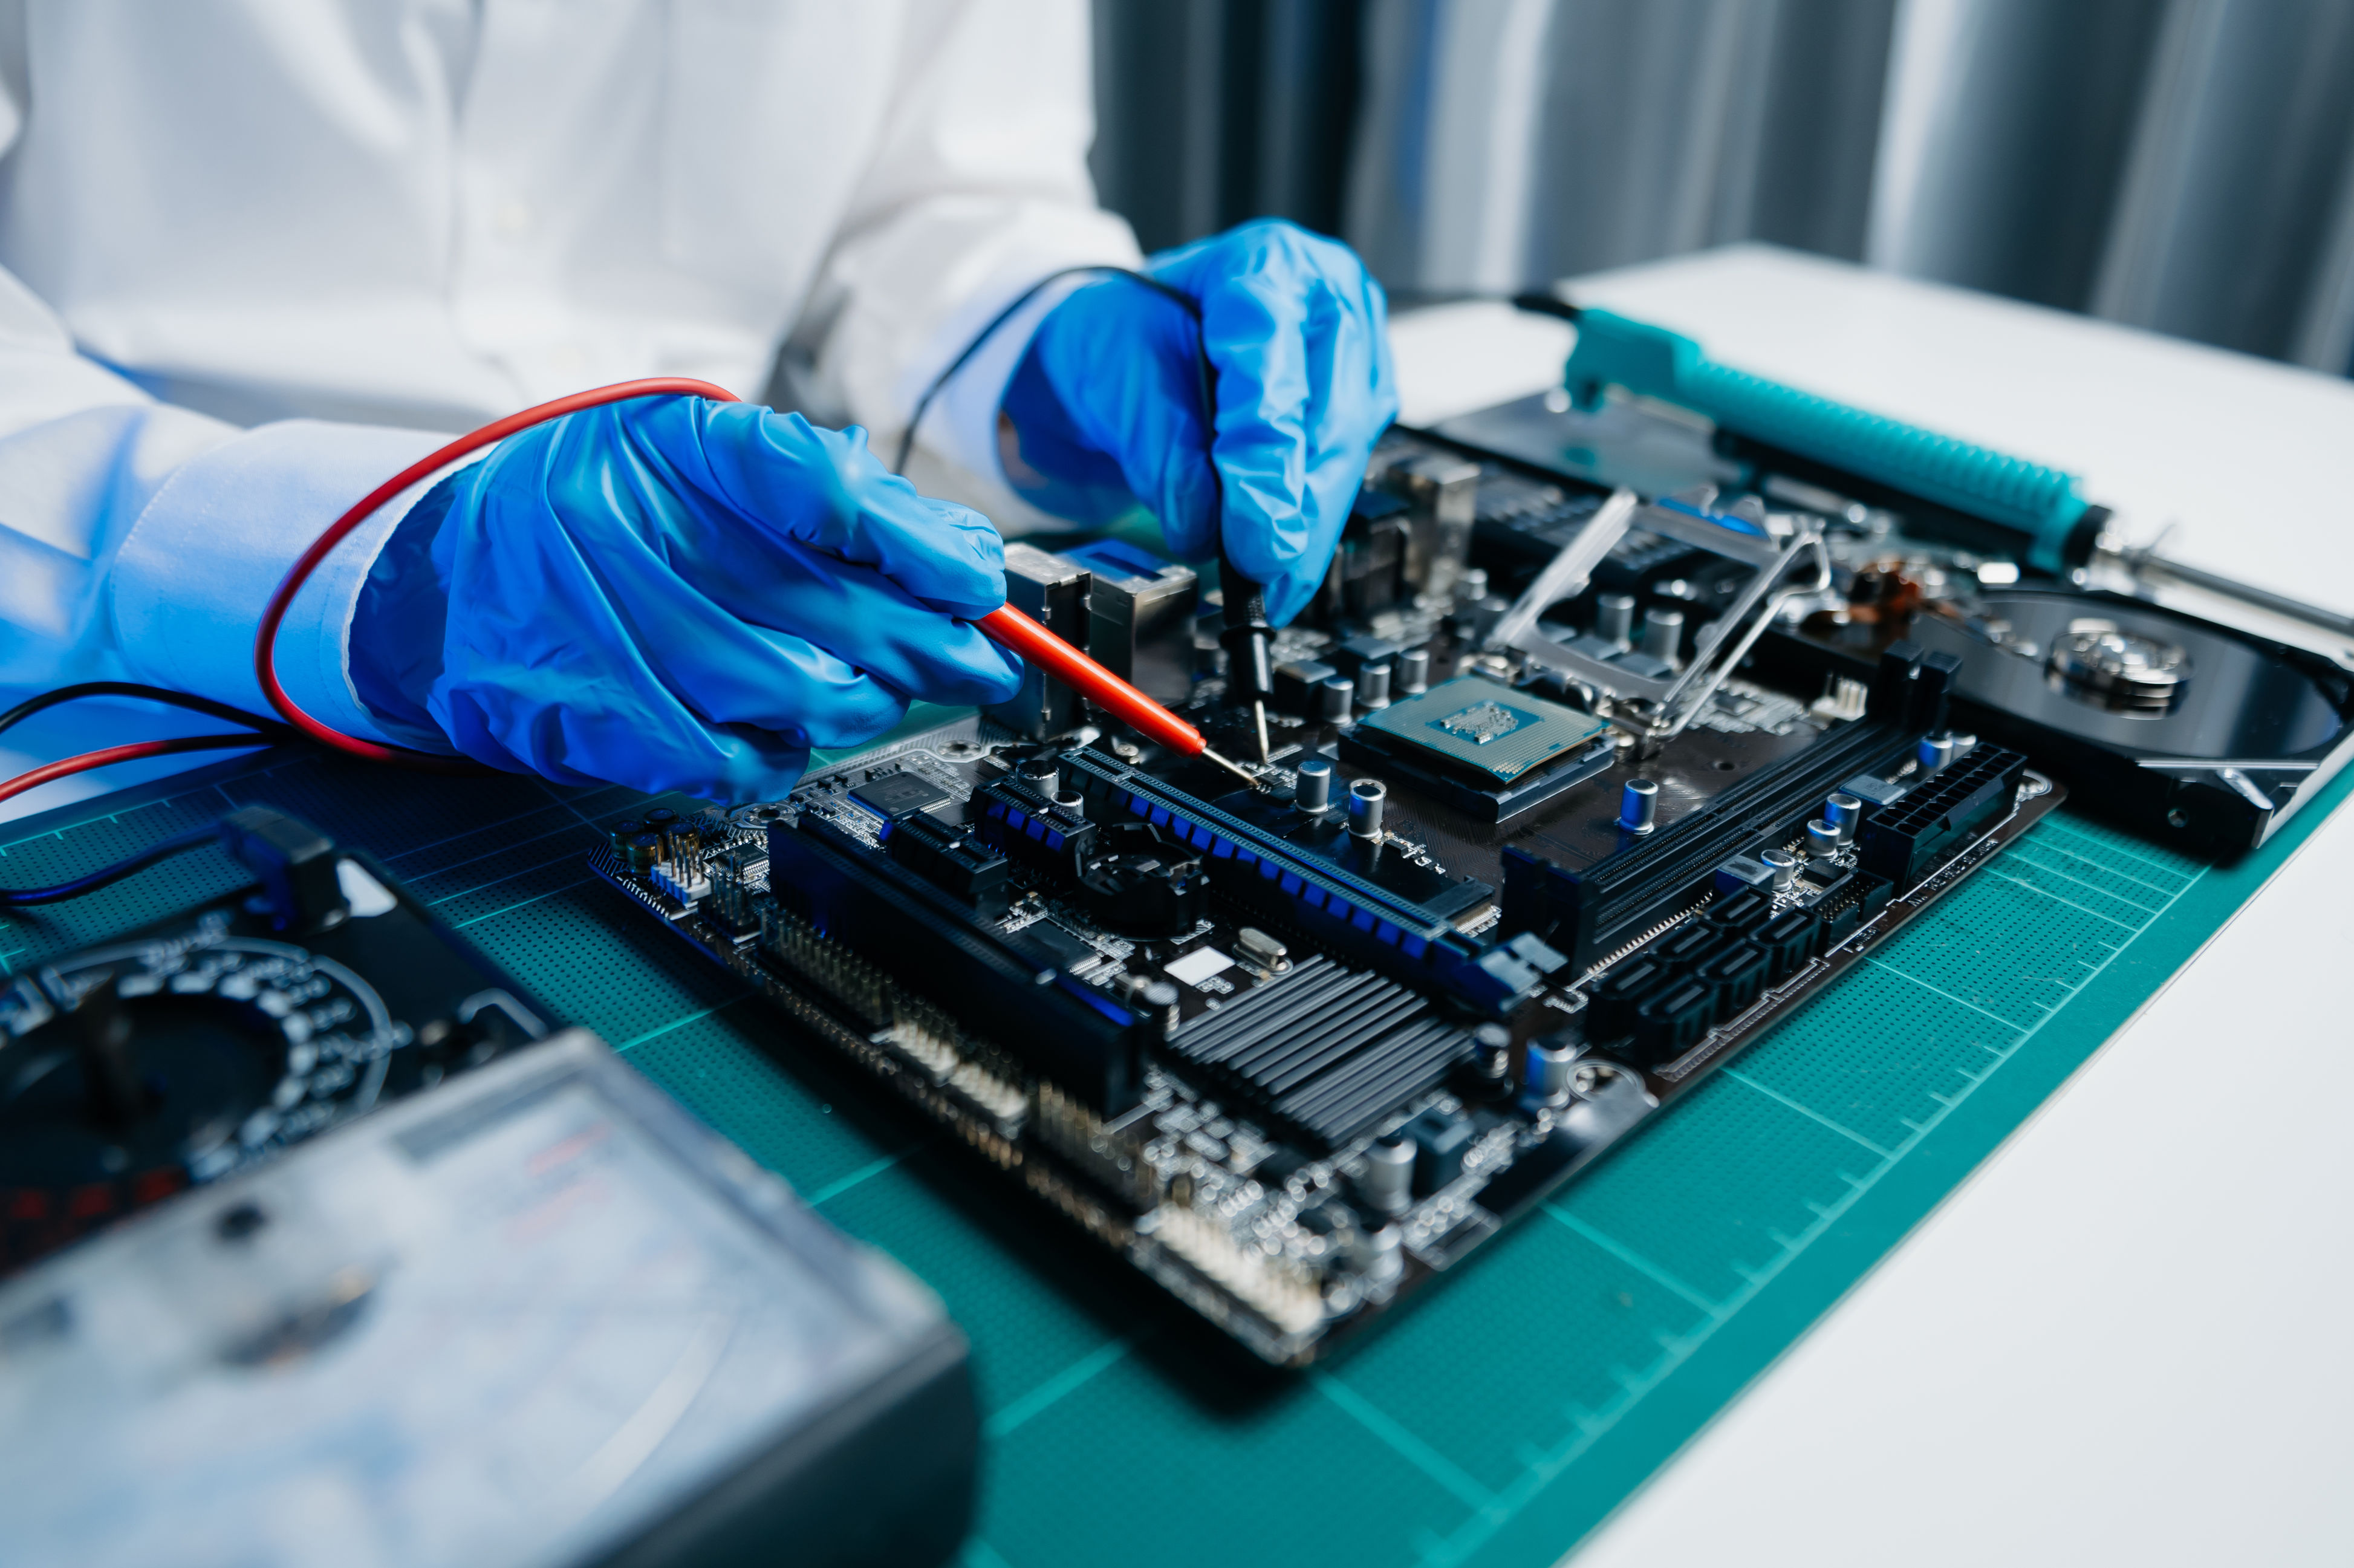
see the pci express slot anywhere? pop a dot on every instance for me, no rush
(1070, 1033)
(1255, 867)
(1592, 913)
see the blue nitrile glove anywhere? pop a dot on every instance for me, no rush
(676, 594)
(1106, 403)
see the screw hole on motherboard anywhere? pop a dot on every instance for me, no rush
(1726, 765)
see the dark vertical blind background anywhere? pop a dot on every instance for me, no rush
(2181, 164)
(1211, 111)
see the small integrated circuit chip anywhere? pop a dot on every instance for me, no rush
(1494, 730)
(898, 795)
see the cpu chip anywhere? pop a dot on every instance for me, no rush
(1476, 724)
(1483, 722)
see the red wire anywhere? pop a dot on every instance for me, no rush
(66, 766)
(275, 614)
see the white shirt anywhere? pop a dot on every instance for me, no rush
(225, 221)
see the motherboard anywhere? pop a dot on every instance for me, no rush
(1511, 874)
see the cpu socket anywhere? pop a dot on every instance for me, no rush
(1488, 750)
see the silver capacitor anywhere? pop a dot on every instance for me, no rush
(1042, 774)
(1373, 687)
(1663, 633)
(1158, 999)
(1314, 791)
(1783, 865)
(1337, 694)
(1491, 1059)
(1387, 1184)
(1414, 672)
(1822, 840)
(1843, 811)
(1614, 618)
(1935, 752)
(1365, 799)
(1385, 1254)
(1547, 1075)
(1639, 806)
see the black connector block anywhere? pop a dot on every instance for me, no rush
(1070, 1033)
(1910, 688)
(1440, 1142)
(1671, 1020)
(1787, 940)
(1687, 943)
(1903, 840)
(1849, 902)
(1737, 972)
(1027, 827)
(295, 863)
(1741, 912)
(1610, 1005)
(952, 859)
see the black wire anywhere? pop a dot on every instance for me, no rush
(265, 731)
(1244, 600)
(1192, 307)
(270, 728)
(18, 897)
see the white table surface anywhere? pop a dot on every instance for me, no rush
(2121, 1340)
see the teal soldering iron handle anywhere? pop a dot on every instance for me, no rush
(2040, 504)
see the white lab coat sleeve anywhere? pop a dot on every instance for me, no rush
(140, 542)
(979, 188)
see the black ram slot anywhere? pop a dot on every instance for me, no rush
(1590, 914)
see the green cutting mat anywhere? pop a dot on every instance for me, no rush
(1497, 1423)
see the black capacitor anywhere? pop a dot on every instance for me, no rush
(642, 851)
(660, 821)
